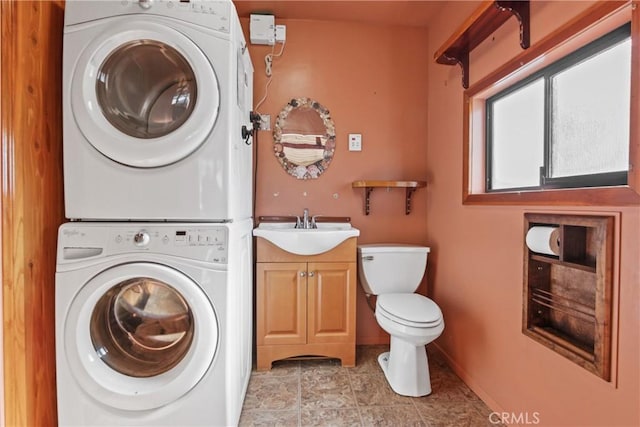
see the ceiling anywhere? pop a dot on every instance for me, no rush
(391, 12)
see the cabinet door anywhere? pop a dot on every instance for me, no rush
(281, 303)
(331, 305)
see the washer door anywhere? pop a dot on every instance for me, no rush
(144, 95)
(139, 336)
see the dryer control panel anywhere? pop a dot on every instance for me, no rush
(212, 14)
(196, 242)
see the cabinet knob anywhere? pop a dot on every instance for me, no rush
(302, 274)
(311, 274)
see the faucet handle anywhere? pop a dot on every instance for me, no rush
(313, 221)
(298, 222)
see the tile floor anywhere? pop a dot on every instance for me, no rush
(322, 393)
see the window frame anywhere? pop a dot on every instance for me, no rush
(546, 75)
(597, 20)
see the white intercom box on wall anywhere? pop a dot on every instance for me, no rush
(262, 29)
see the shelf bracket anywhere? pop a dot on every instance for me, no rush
(521, 10)
(410, 191)
(367, 204)
(461, 58)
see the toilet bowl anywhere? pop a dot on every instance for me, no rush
(393, 273)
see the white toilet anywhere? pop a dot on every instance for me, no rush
(393, 272)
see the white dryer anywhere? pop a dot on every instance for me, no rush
(153, 323)
(155, 95)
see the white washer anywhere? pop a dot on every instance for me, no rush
(155, 95)
(153, 323)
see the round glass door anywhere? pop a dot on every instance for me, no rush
(146, 89)
(142, 327)
(138, 336)
(144, 95)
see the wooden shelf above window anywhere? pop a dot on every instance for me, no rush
(489, 16)
(369, 185)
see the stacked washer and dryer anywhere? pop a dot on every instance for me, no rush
(153, 280)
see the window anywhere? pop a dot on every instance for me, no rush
(566, 125)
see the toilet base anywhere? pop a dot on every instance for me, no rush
(406, 368)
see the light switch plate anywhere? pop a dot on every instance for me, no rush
(355, 142)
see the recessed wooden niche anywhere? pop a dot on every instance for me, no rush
(568, 298)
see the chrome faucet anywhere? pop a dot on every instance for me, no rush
(305, 219)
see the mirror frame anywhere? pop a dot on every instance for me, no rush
(314, 170)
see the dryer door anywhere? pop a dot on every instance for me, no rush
(140, 335)
(144, 95)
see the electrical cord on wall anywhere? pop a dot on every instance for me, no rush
(255, 120)
(255, 175)
(268, 70)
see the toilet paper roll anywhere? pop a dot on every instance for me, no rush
(544, 240)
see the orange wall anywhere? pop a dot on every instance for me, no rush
(476, 269)
(373, 80)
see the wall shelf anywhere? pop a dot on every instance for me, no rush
(369, 185)
(489, 16)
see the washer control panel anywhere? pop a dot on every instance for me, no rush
(198, 242)
(177, 240)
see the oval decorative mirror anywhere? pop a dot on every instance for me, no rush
(304, 138)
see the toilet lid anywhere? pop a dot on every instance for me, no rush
(410, 309)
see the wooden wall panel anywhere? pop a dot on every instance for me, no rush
(32, 204)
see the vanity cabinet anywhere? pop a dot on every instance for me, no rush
(305, 305)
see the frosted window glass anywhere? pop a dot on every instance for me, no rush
(590, 115)
(518, 138)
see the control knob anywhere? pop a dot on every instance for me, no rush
(145, 4)
(141, 238)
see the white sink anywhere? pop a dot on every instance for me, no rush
(310, 241)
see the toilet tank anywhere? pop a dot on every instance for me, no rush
(391, 268)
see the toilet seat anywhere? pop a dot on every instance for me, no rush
(412, 310)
